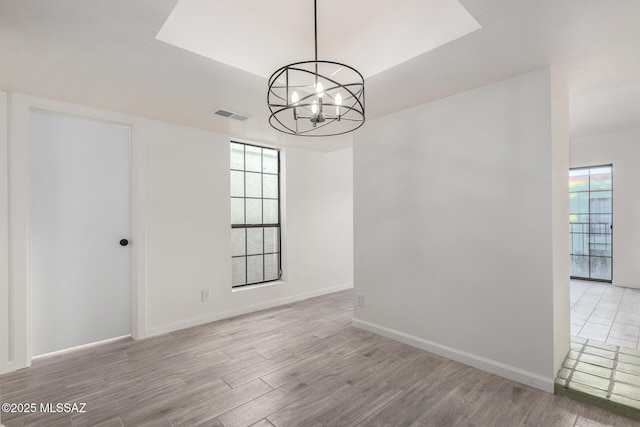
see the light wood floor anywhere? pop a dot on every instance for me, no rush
(296, 365)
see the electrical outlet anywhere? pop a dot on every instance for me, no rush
(206, 295)
(360, 300)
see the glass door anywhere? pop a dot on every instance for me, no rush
(590, 219)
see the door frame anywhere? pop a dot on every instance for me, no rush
(590, 279)
(19, 352)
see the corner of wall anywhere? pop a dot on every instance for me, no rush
(560, 153)
(18, 200)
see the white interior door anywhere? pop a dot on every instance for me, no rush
(81, 274)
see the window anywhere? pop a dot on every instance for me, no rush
(255, 214)
(590, 212)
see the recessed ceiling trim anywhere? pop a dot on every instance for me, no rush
(380, 36)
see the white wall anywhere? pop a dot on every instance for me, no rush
(181, 226)
(622, 149)
(323, 191)
(456, 206)
(188, 228)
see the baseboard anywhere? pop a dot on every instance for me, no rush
(83, 346)
(15, 366)
(488, 365)
(307, 295)
(214, 317)
(626, 285)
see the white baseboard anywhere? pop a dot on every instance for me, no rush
(488, 365)
(626, 285)
(14, 366)
(214, 317)
(83, 346)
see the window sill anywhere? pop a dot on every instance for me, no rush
(256, 286)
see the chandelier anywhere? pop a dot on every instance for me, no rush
(316, 98)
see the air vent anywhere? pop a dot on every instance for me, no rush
(230, 115)
(223, 113)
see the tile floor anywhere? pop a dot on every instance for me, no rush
(606, 313)
(602, 374)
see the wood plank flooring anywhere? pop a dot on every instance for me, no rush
(301, 364)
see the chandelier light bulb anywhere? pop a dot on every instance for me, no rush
(320, 90)
(294, 98)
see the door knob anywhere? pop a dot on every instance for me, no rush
(124, 242)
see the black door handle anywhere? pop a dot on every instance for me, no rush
(124, 242)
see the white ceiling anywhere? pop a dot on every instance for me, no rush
(260, 37)
(104, 53)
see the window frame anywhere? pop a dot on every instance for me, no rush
(262, 225)
(589, 224)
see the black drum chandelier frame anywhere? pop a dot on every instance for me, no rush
(316, 98)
